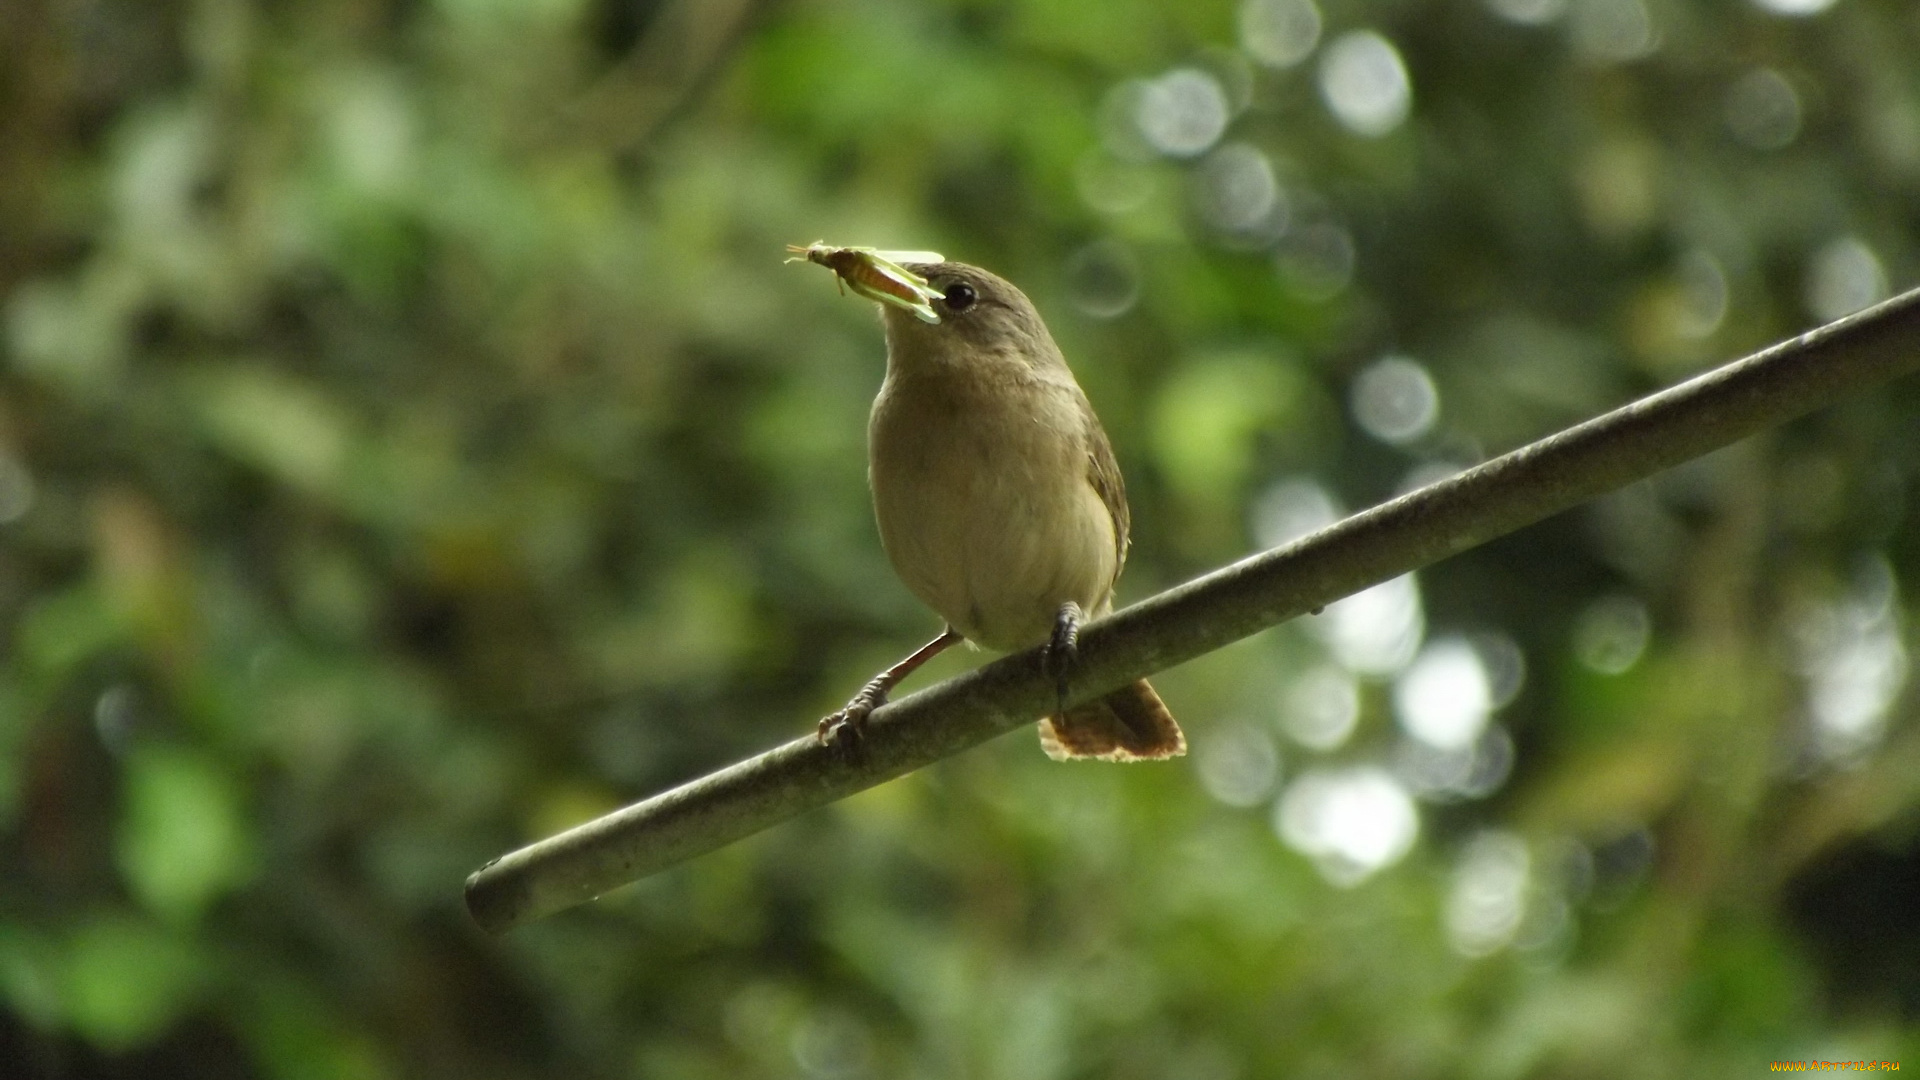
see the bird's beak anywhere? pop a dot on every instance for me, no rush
(878, 275)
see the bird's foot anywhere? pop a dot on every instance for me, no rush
(1063, 649)
(844, 731)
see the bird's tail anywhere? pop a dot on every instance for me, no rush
(1130, 724)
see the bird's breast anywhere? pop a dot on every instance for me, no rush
(985, 508)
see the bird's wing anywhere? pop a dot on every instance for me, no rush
(1103, 472)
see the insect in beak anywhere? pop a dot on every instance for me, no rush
(878, 275)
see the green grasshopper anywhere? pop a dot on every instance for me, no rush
(878, 275)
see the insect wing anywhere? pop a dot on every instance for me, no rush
(919, 258)
(912, 293)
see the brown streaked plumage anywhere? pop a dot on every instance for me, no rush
(999, 501)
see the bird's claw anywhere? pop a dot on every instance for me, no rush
(843, 732)
(1063, 650)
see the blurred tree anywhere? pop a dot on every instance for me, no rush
(411, 442)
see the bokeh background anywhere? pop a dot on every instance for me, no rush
(412, 443)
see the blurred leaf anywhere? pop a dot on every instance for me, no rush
(1208, 420)
(295, 1035)
(127, 980)
(72, 335)
(63, 629)
(293, 431)
(184, 839)
(1744, 984)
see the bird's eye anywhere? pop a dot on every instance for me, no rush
(960, 296)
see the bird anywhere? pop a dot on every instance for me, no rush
(998, 499)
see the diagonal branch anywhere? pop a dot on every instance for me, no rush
(1443, 519)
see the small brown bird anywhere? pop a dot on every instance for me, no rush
(999, 501)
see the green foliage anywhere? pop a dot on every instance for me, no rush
(184, 840)
(412, 443)
(127, 980)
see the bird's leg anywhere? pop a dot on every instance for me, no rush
(1063, 649)
(844, 729)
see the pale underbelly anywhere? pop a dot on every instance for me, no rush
(996, 547)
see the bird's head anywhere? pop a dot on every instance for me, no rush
(982, 318)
